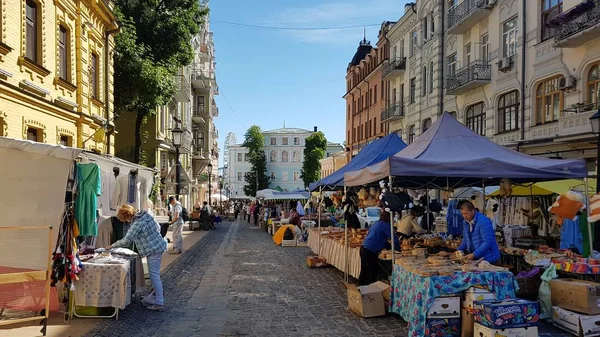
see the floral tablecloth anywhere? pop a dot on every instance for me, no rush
(412, 294)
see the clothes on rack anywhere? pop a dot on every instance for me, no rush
(570, 235)
(454, 218)
(131, 189)
(109, 182)
(88, 189)
(105, 231)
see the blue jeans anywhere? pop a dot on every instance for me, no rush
(154, 262)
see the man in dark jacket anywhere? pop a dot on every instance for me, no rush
(479, 238)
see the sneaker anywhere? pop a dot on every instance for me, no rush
(176, 251)
(146, 302)
(156, 307)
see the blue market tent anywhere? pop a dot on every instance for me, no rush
(450, 155)
(376, 152)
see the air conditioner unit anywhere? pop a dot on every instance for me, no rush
(504, 64)
(492, 2)
(566, 83)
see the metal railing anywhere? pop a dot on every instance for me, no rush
(182, 84)
(394, 110)
(575, 20)
(398, 63)
(476, 71)
(463, 10)
(200, 112)
(581, 108)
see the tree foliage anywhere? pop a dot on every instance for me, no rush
(154, 42)
(254, 141)
(314, 150)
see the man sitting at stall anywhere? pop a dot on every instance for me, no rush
(409, 225)
(377, 239)
(479, 238)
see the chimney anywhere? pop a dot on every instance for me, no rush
(315, 128)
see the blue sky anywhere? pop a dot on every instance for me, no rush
(267, 76)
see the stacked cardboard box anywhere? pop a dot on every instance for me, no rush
(470, 296)
(513, 317)
(443, 317)
(576, 306)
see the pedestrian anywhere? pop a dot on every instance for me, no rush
(377, 239)
(256, 212)
(145, 233)
(177, 222)
(236, 211)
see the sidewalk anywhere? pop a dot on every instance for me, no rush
(57, 327)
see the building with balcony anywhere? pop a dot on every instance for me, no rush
(56, 72)
(284, 149)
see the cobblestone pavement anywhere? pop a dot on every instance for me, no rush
(236, 282)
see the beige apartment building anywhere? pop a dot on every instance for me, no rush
(333, 163)
(522, 73)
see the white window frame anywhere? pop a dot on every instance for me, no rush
(485, 47)
(240, 157)
(510, 36)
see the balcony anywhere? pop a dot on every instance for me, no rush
(469, 77)
(393, 112)
(463, 16)
(199, 115)
(574, 123)
(393, 68)
(214, 109)
(200, 79)
(186, 141)
(203, 52)
(198, 153)
(183, 89)
(577, 26)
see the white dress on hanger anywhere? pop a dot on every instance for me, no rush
(131, 189)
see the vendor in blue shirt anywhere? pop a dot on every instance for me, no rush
(479, 238)
(377, 239)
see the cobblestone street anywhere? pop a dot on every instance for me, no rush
(236, 282)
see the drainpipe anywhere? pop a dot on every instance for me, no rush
(523, 50)
(107, 35)
(442, 57)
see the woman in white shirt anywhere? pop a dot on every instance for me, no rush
(409, 225)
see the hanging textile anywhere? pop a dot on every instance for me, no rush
(454, 218)
(88, 189)
(583, 228)
(570, 235)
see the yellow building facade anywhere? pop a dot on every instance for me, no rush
(56, 71)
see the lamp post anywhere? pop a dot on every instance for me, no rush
(176, 133)
(221, 193)
(209, 167)
(595, 121)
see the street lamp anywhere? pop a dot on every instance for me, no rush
(221, 193)
(209, 167)
(176, 132)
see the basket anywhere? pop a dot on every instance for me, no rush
(529, 287)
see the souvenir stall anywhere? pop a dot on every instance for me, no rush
(447, 156)
(36, 175)
(281, 202)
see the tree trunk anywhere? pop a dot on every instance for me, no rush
(137, 145)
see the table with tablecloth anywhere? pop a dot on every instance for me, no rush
(333, 252)
(412, 294)
(104, 285)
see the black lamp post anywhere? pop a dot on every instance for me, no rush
(177, 133)
(209, 167)
(595, 121)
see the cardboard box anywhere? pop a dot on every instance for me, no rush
(288, 243)
(302, 244)
(443, 327)
(445, 307)
(467, 323)
(367, 301)
(576, 295)
(470, 297)
(315, 261)
(577, 324)
(484, 331)
(502, 314)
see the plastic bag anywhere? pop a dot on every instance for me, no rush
(544, 294)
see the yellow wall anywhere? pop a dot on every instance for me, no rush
(32, 94)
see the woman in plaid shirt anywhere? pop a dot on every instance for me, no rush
(145, 233)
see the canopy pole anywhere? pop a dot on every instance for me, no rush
(346, 240)
(392, 231)
(587, 205)
(319, 221)
(427, 208)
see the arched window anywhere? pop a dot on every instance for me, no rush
(594, 84)
(424, 82)
(296, 157)
(273, 156)
(411, 134)
(508, 111)
(431, 72)
(549, 100)
(284, 157)
(476, 118)
(426, 125)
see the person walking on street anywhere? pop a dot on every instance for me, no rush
(145, 233)
(177, 222)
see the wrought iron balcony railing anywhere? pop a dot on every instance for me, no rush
(466, 10)
(468, 77)
(183, 89)
(395, 65)
(394, 111)
(583, 17)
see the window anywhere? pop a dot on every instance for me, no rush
(284, 141)
(451, 61)
(273, 141)
(246, 157)
(476, 118)
(485, 47)
(296, 141)
(550, 9)
(94, 81)
(66, 140)
(272, 177)
(426, 125)
(32, 134)
(375, 94)
(432, 25)
(394, 52)
(284, 176)
(424, 82)
(296, 157)
(549, 101)
(273, 156)
(64, 53)
(425, 29)
(593, 85)
(509, 37)
(375, 125)
(285, 157)
(382, 89)
(240, 176)
(467, 54)
(431, 77)
(411, 134)
(414, 42)
(31, 31)
(239, 157)
(296, 176)
(508, 111)
(413, 89)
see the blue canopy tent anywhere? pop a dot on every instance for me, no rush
(376, 152)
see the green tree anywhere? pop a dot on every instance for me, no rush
(154, 42)
(315, 149)
(254, 141)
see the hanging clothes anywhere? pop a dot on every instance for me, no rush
(583, 228)
(570, 235)
(89, 187)
(454, 218)
(130, 189)
(109, 182)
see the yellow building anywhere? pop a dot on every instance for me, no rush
(333, 163)
(56, 72)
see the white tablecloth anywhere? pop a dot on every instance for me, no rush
(104, 285)
(333, 252)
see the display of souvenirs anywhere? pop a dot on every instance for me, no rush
(577, 265)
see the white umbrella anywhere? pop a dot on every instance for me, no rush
(218, 197)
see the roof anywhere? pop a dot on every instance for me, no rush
(364, 48)
(288, 130)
